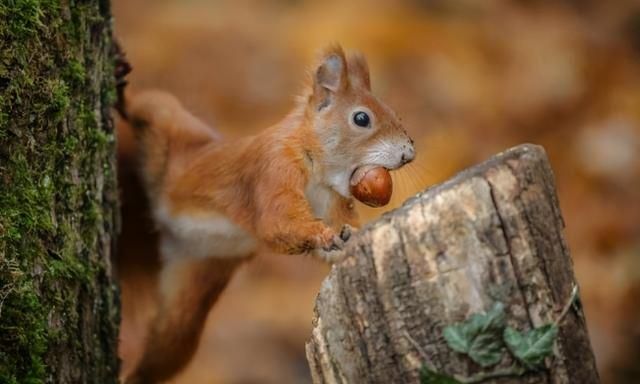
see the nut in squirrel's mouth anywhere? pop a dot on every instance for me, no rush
(359, 172)
(372, 185)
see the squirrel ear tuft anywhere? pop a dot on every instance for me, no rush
(359, 71)
(332, 71)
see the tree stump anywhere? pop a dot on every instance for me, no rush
(491, 234)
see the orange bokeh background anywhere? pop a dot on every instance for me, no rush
(469, 79)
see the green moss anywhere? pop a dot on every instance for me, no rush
(22, 307)
(75, 73)
(25, 205)
(58, 98)
(109, 96)
(56, 179)
(70, 144)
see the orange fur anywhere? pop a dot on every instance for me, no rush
(286, 188)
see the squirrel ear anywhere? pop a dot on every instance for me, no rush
(359, 71)
(332, 71)
(330, 77)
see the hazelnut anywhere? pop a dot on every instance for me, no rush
(372, 186)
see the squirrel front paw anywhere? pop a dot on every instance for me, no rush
(331, 250)
(305, 238)
(335, 242)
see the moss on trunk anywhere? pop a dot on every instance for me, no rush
(58, 213)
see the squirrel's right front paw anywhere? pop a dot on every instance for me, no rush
(330, 257)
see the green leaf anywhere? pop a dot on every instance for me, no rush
(479, 336)
(459, 337)
(532, 347)
(428, 376)
(494, 319)
(486, 349)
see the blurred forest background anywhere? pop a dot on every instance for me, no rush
(469, 78)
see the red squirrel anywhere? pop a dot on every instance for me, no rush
(215, 202)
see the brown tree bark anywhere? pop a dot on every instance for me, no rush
(58, 196)
(492, 233)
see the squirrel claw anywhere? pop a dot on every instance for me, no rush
(337, 241)
(336, 244)
(345, 232)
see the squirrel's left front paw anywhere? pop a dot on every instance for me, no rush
(346, 231)
(333, 252)
(337, 241)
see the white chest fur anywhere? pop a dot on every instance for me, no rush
(200, 237)
(320, 197)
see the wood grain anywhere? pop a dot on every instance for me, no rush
(492, 233)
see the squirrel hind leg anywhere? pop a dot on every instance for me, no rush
(188, 289)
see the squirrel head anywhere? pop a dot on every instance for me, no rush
(353, 127)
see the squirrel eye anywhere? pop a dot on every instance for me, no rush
(361, 119)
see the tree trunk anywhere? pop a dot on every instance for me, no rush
(491, 234)
(58, 211)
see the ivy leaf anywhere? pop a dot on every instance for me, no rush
(531, 347)
(428, 376)
(494, 319)
(459, 337)
(486, 349)
(479, 336)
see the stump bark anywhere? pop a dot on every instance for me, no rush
(491, 234)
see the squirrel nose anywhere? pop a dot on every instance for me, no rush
(408, 154)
